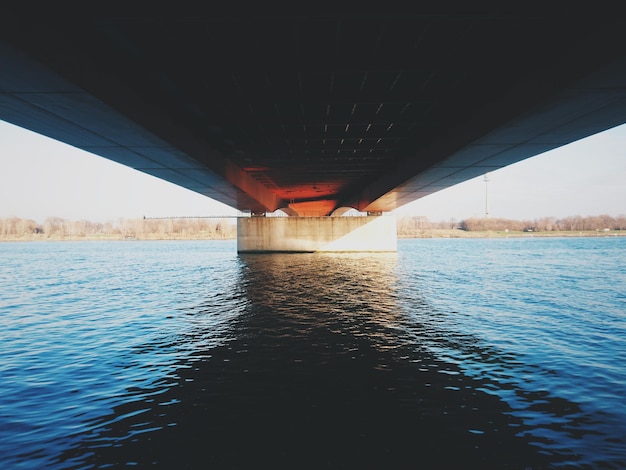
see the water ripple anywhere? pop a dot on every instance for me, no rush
(455, 353)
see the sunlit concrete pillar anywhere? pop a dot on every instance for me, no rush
(312, 234)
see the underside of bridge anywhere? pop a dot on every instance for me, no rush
(313, 113)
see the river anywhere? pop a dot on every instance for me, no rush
(450, 353)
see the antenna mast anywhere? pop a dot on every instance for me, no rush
(486, 180)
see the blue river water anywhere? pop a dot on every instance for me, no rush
(450, 353)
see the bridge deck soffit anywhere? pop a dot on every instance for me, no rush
(313, 113)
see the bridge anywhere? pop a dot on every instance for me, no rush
(313, 114)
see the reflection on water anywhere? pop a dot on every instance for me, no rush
(447, 354)
(321, 361)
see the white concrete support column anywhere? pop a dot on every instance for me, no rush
(312, 234)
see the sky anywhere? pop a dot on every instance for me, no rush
(41, 178)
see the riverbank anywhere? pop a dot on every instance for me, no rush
(432, 233)
(457, 233)
(107, 237)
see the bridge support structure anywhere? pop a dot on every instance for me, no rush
(316, 234)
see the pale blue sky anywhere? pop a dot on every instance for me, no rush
(40, 177)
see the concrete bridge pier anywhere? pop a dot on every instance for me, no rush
(316, 234)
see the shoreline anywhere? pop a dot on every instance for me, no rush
(457, 233)
(433, 233)
(108, 238)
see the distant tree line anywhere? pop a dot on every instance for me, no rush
(177, 228)
(411, 226)
(212, 228)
